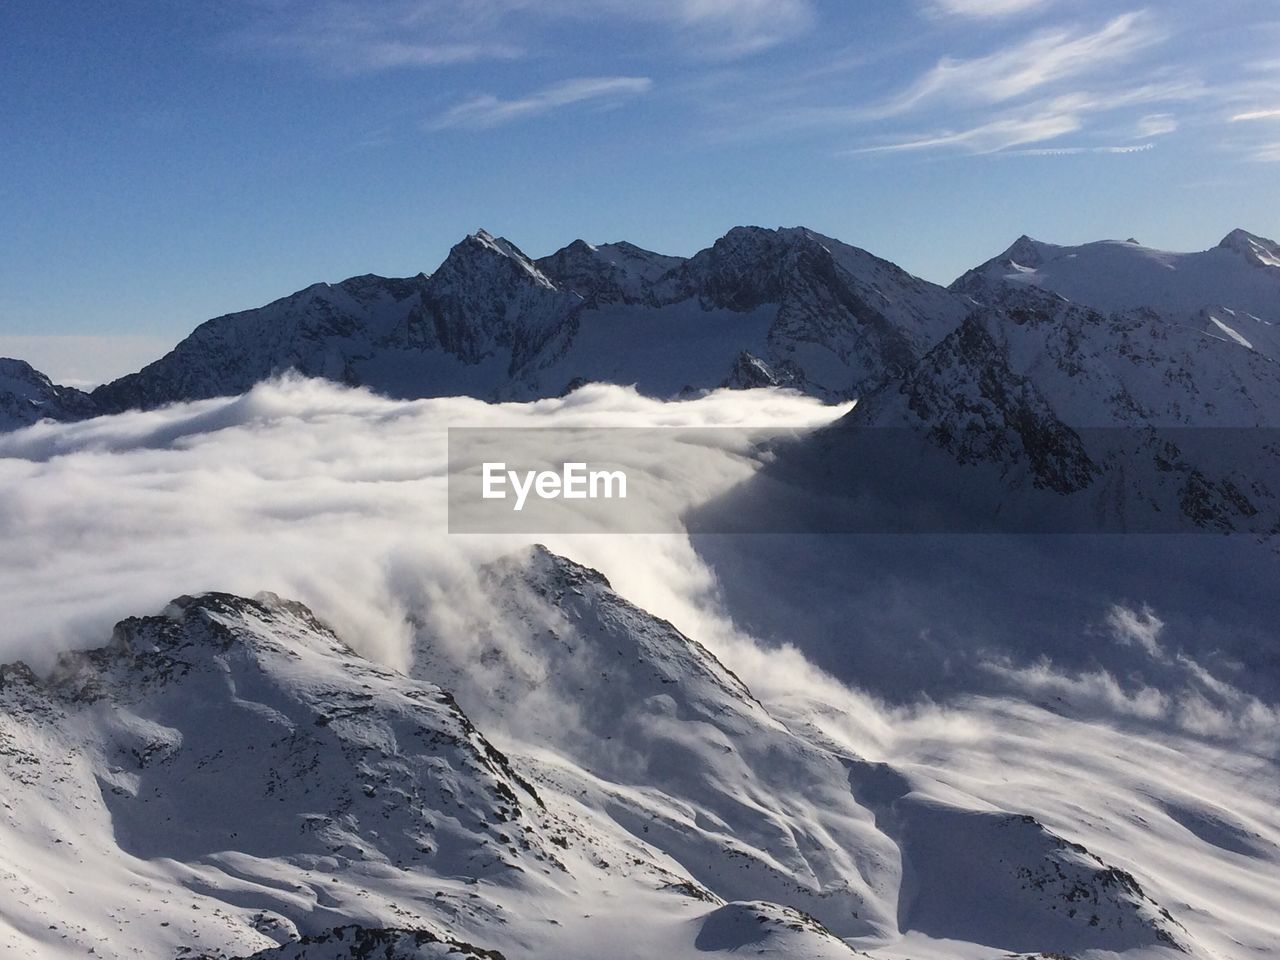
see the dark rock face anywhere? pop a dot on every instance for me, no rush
(27, 395)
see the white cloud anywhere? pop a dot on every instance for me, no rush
(1046, 57)
(324, 494)
(988, 137)
(985, 9)
(738, 27)
(1157, 125)
(349, 36)
(1113, 150)
(1137, 627)
(490, 111)
(1269, 153)
(1268, 114)
(1047, 119)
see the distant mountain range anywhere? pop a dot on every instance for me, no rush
(1001, 371)
(759, 307)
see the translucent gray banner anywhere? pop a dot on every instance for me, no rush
(849, 479)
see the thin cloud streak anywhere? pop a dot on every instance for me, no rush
(984, 9)
(353, 38)
(1157, 125)
(1046, 120)
(1080, 151)
(986, 138)
(346, 36)
(488, 111)
(1047, 56)
(1256, 115)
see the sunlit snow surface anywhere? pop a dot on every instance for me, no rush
(697, 814)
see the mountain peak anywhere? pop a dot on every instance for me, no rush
(482, 247)
(1026, 251)
(776, 236)
(27, 395)
(607, 272)
(485, 240)
(22, 372)
(1256, 248)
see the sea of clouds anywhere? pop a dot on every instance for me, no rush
(338, 498)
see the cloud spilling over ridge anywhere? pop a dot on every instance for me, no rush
(337, 497)
(304, 488)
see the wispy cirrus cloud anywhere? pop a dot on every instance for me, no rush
(1048, 119)
(1045, 57)
(486, 110)
(987, 137)
(356, 36)
(1157, 125)
(1118, 150)
(737, 27)
(983, 9)
(350, 37)
(1250, 115)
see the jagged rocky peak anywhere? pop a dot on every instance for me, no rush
(755, 245)
(750, 372)
(1258, 249)
(27, 395)
(218, 679)
(202, 627)
(609, 272)
(482, 255)
(488, 299)
(747, 267)
(965, 397)
(18, 375)
(540, 563)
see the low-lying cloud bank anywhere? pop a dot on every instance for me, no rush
(331, 495)
(337, 497)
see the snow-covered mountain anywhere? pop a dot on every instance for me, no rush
(801, 308)
(759, 307)
(1230, 292)
(1088, 389)
(27, 395)
(228, 779)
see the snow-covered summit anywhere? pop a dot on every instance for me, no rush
(1229, 291)
(469, 256)
(1260, 250)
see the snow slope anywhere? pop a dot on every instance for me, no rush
(230, 779)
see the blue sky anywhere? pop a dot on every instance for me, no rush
(165, 162)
